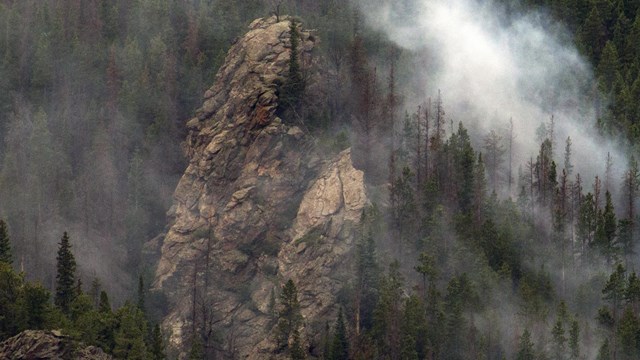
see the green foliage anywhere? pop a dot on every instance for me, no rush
(65, 276)
(156, 348)
(12, 315)
(574, 340)
(289, 318)
(606, 230)
(141, 294)
(197, 349)
(296, 352)
(605, 352)
(130, 334)
(628, 331)
(292, 91)
(5, 244)
(339, 344)
(525, 347)
(559, 340)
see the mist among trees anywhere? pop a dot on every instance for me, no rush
(497, 229)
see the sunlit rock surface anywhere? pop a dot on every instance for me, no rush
(255, 207)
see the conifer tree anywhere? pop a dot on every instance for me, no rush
(141, 295)
(293, 88)
(559, 340)
(605, 352)
(297, 352)
(129, 338)
(104, 306)
(627, 333)
(65, 277)
(574, 340)
(157, 345)
(340, 344)
(289, 318)
(5, 244)
(608, 66)
(525, 347)
(593, 34)
(606, 230)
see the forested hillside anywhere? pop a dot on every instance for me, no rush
(499, 226)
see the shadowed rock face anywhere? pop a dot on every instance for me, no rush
(32, 344)
(255, 206)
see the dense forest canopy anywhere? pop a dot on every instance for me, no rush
(499, 140)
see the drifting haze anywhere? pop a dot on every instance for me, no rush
(492, 65)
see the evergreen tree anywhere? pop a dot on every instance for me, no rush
(5, 244)
(574, 340)
(297, 352)
(65, 277)
(197, 349)
(627, 333)
(606, 230)
(632, 292)
(605, 352)
(412, 329)
(104, 305)
(367, 271)
(36, 306)
(141, 295)
(289, 318)
(130, 336)
(157, 344)
(525, 347)
(340, 344)
(608, 66)
(593, 34)
(559, 340)
(292, 90)
(11, 311)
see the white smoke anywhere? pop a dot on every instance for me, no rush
(492, 66)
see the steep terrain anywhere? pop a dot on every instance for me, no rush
(32, 344)
(255, 207)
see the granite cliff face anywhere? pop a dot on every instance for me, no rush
(256, 206)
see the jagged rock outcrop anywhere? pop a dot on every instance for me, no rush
(255, 206)
(37, 344)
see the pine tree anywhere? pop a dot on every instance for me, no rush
(605, 352)
(614, 289)
(559, 340)
(157, 344)
(129, 339)
(628, 335)
(574, 340)
(593, 34)
(297, 352)
(5, 244)
(65, 277)
(289, 318)
(141, 291)
(292, 90)
(340, 344)
(525, 347)
(426, 268)
(494, 158)
(608, 66)
(104, 306)
(197, 349)
(606, 230)
(632, 292)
